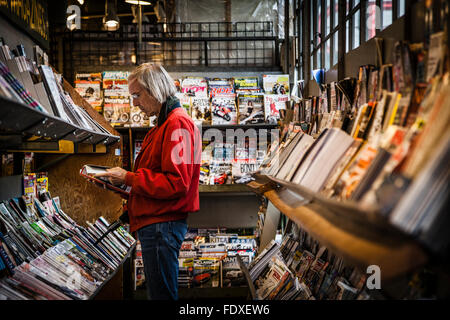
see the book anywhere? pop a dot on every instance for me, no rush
(89, 172)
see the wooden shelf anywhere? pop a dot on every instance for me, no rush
(126, 129)
(361, 239)
(227, 189)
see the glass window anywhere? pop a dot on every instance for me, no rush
(336, 13)
(347, 36)
(387, 13)
(356, 30)
(319, 59)
(328, 18)
(371, 20)
(319, 18)
(401, 7)
(335, 48)
(327, 54)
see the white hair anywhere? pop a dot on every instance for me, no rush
(155, 79)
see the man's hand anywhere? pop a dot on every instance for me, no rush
(115, 175)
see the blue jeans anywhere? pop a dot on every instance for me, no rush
(161, 243)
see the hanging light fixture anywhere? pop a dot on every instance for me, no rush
(138, 2)
(111, 20)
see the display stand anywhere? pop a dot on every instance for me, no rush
(251, 286)
(98, 294)
(25, 129)
(362, 240)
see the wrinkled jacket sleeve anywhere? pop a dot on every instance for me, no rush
(176, 169)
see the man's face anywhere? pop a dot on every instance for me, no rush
(142, 98)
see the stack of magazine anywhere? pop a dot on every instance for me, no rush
(40, 87)
(301, 269)
(392, 157)
(45, 254)
(208, 258)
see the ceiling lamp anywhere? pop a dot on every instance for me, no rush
(111, 20)
(138, 2)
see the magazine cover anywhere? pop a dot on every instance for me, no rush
(177, 83)
(220, 87)
(139, 275)
(232, 274)
(251, 108)
(223, 109)
(185, 274)
(185, 101)
(115, 81)
(206, 273)
(91, 92)
(116, 103)
(276, 83)
(220, 173)
(242, 170)
(272, 105)
(89, 76)
(201, 110)
(138, 118)
(246, 85)
(195, 87)
(117, 111)
(137, 148)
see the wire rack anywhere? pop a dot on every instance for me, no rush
(240, 44)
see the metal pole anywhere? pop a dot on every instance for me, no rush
(138, 54)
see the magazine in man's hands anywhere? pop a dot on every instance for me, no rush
(90, 171)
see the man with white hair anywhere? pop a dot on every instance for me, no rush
(164, 182)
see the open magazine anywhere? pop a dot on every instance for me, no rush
(89, 171)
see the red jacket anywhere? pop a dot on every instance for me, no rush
(166, 173)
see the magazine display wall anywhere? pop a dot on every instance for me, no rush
(362, 169)
(48, 127)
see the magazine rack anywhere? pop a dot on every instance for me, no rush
(19, 119)
(113, 274)
(250, 284)
(347, 229)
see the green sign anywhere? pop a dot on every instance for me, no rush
(29, 15)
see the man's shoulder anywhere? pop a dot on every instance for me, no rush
(180, 118)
